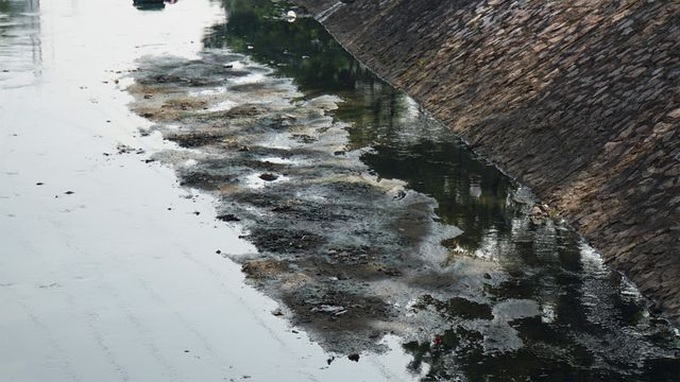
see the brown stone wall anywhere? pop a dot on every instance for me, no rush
(580, 99)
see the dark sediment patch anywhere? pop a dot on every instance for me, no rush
(361, 221)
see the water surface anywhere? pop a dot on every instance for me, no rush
(372, 219)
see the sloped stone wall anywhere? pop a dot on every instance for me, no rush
(580, 99)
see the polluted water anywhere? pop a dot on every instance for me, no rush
(376, 231)
(371, 219)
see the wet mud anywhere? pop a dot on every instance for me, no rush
(370, 218)
(328, 229)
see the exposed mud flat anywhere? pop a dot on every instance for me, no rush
(335, 240)
(403, 233)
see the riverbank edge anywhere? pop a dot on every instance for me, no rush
(578, 100)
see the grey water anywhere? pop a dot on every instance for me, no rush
(557, 312)
(370, 217)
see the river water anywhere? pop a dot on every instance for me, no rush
(370, 219)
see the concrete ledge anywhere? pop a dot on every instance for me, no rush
(579, 99)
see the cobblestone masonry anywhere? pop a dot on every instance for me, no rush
(580, 99)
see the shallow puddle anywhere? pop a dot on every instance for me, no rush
(371, 219)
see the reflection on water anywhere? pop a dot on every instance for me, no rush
(555, 312)
(299, 50)
(151, 5)
(20, 44)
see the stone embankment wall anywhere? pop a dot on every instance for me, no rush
(580, 99)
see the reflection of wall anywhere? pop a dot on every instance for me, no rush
(578, 101)
(21, 43)
(33, 8)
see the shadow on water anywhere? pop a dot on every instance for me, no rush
(516, 296)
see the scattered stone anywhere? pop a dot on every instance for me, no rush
(269, 177)
(228, 218)
(354, 357)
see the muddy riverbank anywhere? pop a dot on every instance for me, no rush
(371, 219)
(577, 99)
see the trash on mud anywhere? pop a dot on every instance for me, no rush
(333, 310)
(125, 149)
